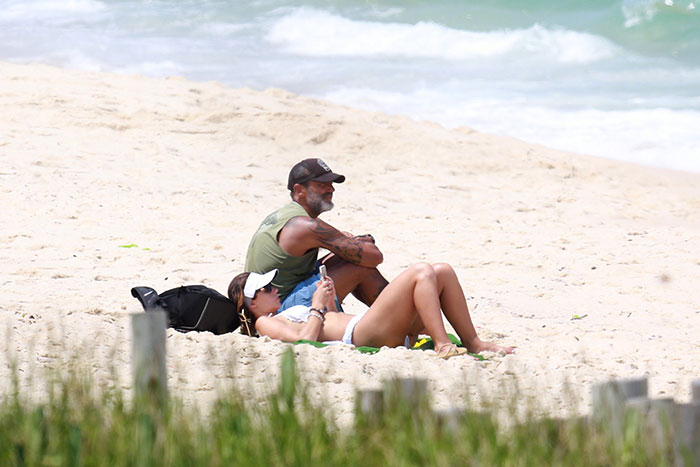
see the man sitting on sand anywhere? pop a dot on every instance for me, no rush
(289, 239)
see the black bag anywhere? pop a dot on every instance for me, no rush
(192, 308)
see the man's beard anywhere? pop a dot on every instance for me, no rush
(317, 204)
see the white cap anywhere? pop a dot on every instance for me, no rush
(257, 281)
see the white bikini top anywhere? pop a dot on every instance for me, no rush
(296, 314)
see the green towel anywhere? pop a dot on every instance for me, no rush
(422, 344)
(361, 348)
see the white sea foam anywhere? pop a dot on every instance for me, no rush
(385, 12)
(54, 11)
(219, 29)
(657, 137)
(313, 32)
(164, 67)
(638, 12)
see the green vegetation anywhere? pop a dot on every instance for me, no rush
(80, 425)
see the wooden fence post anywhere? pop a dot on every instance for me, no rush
(609, 399)
(369, 405)
(450, 419)
(688, 431)
(662, 422)
(689, 423)
(411, 391)
(670, 425)
(148, 356)
(695, 391)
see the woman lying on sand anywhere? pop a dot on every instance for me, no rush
(410, 304)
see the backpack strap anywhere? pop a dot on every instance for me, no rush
(147, 296)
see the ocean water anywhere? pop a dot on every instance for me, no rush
(612, 78)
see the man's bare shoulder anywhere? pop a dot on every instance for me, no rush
(303, 233)
(297, 227)
(304, 225)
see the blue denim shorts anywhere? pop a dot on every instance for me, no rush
(304, 292)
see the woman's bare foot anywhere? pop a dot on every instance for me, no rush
(478, 345)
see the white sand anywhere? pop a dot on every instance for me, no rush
(187, 171)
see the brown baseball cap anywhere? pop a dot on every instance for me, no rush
(312, 169)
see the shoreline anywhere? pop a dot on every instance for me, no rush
(187, 170)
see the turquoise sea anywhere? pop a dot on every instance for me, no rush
(612, 78)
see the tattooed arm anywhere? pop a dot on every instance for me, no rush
(304, 233)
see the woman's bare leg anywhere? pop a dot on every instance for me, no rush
(414, 293)
(454, 305)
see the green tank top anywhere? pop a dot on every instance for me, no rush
(265, 253)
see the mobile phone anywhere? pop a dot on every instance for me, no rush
(322, 270)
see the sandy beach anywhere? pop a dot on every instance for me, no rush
(589, 266)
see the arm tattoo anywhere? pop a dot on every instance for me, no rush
(350, 249)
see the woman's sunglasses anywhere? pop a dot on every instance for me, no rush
(267, 288)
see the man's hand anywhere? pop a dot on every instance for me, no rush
(366, 238)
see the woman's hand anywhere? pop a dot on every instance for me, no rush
(330, 302)
(324, 296)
